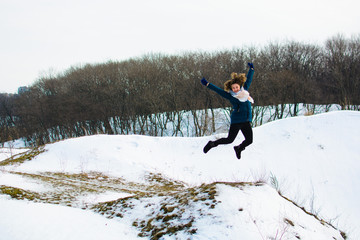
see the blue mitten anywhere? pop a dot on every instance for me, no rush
(204, 82)
(251, 65)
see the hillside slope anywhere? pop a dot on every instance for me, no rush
(312, 160)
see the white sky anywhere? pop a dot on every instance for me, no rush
(42, 36)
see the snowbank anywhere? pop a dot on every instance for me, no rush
(33, 221)
(312, 160)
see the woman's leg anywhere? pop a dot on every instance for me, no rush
(233, 131)
(248, 134)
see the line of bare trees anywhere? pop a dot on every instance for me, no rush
(152, 93)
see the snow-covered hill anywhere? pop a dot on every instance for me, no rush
(166, 187)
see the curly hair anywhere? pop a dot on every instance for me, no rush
(239, 78)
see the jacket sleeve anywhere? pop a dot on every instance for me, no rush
(220, 91)
(249, 78)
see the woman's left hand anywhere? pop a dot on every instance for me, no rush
(251, 65)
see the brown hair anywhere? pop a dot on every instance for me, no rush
(238, 78)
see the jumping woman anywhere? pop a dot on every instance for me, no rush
(236, 91)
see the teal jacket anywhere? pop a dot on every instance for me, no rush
(241, 111)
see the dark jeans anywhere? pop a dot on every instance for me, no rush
(233, 132)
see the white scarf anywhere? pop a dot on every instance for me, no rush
(242, 95)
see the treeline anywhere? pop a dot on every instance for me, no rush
(148, 94)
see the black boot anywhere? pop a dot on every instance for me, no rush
(238, 150)
(209, 146)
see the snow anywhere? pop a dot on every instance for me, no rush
(103, 197)
(27, 220)
(249, 206)
(312, 160)
(18, 181)
(8, 152)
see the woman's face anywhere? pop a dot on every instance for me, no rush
(235, 87)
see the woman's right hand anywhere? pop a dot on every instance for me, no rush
(204, 82)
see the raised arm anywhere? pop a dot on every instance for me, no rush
(249, 76)
(216, 89)
(225, 94)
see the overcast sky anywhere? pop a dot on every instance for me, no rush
(38, 37)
